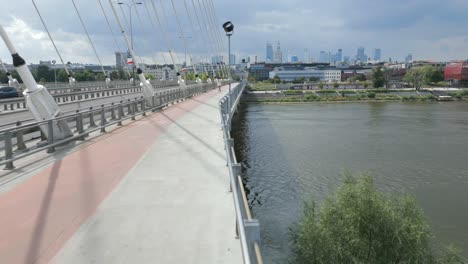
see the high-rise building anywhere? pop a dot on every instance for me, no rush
(361, 56)
(323, 56)
(409, 58)
(294, 58)
(269, 52)
(306, 56)
(278, 54)
(339, 55)
(232, 59)
(120, 59)
(377, 55)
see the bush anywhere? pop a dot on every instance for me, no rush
(371, 95)
(358, 224)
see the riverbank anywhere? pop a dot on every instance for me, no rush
(292, 96)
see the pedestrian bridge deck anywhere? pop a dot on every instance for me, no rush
(154, 191)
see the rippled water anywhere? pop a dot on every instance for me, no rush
(292, 153)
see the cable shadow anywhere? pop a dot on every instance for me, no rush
(36, 240)
(205, 163)
(195, 137)
(210, 105)
(198, 115)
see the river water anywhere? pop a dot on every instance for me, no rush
(297, 152)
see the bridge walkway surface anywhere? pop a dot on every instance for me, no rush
(153, 191)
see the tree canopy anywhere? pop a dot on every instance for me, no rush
(359, 224)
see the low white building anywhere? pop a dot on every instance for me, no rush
(325, 75)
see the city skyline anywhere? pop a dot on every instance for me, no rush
(426, 29)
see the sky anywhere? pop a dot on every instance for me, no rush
(428, 29)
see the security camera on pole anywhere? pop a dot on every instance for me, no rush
(39, 101)
(11, 81)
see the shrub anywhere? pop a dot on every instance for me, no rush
(371, 95)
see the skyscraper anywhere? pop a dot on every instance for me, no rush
(306, 56)
(323, 56)
(339, 55)
(269, 52)
(377, 55)
(294, 58)
(278, 54)
(361, 56)
(232, 59)
(120, 59)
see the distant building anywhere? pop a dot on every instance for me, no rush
(323, 57)
(232, 59)
(294, 58)
(260, 71)
(409, 58)
(361, 56)
(377, 55)
(278, 54)
(326, 75)
(457, 72)
(339, 55)
(306, 56)
(120, 59)
(269, 52)
(217, 59)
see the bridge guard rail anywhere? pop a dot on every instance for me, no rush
(247, 228)
(24, 140)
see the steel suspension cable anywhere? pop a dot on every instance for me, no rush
(217, 36)
(144, 35)
(166, 40)
(89, 38)
(51, 39)
(116, 43)
(202, 33)
(154, 29)
(193, 30)
(181, 31)
(210, 36)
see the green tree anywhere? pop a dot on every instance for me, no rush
(276, 79)
(314, 79)
(416, 77)
(359, 224)
(336, 85)
(3, 77)
(62, 75)
(378, 77)
(114, 75)
(44, 74)
(321, 85)
(359, 77)
(150, 76)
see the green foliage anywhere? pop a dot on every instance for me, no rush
(321, 85)
(420, 76)
(298, 80)
(371, 94)
(150, 76)
(292, 92)
(359, 77)
(312, 97)
(3, 77)
(44, 74)
(326, 91)
(62, 75)
(378, 77)
(314, 79)
(359, 224)
(336, 85)
(85, 76)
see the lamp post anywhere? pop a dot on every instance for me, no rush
(229, 29)
(55, 73)
(133, 4)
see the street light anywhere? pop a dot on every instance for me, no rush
(229, 29)
(55, 74)
(131, 31)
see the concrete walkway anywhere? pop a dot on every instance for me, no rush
(154, 191)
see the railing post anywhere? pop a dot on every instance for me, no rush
(143, 106)
(19, 138)
(112, 112)
(91, 118)
(236, 170)
(153, 104)
(103, 119)
(252, 232)
(121, 113)
(50, 136)
(8, 151)
(134, 109)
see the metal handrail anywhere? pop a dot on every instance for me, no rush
(116, 112)
(247, 228)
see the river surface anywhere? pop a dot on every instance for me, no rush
(297, 152)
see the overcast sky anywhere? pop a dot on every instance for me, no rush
(429, 29)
